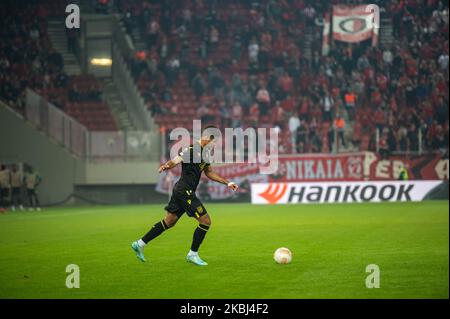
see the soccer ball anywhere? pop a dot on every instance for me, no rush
(282, 256)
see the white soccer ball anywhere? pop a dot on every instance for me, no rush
(282, 256)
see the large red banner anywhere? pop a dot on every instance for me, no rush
(320, 168)
(420, 167)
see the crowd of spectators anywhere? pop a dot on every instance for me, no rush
(83, 93)
(245, 64)
(405, 85)
(28, 60)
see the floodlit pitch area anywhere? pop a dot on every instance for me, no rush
(331, 245)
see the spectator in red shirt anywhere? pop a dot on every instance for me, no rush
(305, 82)
(382, 82)
(379, 119)
(288, 104)
(285, 85)
(263, 99)
(304, 107)
(376, 98)
(365, 119)
(278, 113)
(236, 115)
(383, 145)
(266, 47)
(254, 115)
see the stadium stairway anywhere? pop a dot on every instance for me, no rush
(137, 38)
(117, 105)
(386, 32)
(57, 33)
(351, 135)
(306, 43)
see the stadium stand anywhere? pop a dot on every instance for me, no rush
(27, 59)
(201, 58)
(207, 55)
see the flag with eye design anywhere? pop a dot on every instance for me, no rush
(355, 23)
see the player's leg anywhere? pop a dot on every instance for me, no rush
(167, 222)
(1, 198)
(199, 212)
(36, 200)
(204, 223)
(173, 213)
(30, 199)
(33, 203)
(6, 197)
(14, 199)
(19, 198)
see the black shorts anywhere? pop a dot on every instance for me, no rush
(31, 192)
(180, 203)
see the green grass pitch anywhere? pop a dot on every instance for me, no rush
(331, 245)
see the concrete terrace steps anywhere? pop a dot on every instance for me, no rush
(138, 41)
(386, 32)
(57, 33)
(116, 105)
(306, 46)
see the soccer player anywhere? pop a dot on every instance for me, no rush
(184, 199)
(5, 187)
(16, 187)
(32, 181)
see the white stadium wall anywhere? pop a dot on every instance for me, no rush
(63, 173)
(20, 142)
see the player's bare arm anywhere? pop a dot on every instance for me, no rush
(209, 172)
(170, 164)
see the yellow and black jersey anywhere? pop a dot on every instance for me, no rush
(195, 161)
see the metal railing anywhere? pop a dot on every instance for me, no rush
(89, 145)
(122, 47)
(420, 147)
(59, 126)
(123, 146)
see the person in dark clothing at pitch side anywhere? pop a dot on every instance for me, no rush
(330, 139)
(5, 187)
(17, 180)
(403, 176)
(32, 181)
